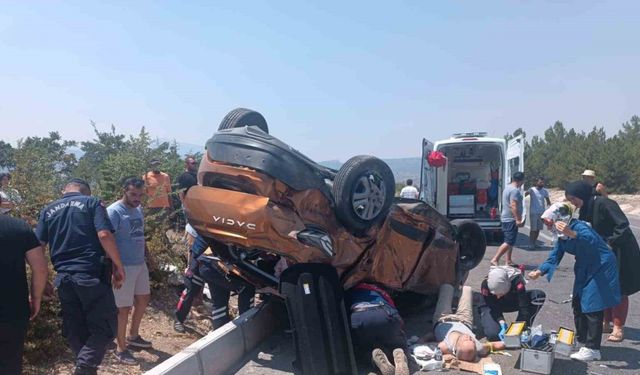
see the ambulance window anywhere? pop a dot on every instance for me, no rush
(513, 165)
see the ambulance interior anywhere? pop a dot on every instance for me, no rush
(471, 179)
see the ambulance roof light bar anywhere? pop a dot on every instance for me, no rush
(470, 135)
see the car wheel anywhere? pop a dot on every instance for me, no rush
(363, 191)
(470, 237)
(241, 117)
(318, 317)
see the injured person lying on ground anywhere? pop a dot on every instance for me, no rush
(454, 331)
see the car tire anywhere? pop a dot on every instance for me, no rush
(317, 315)
(363, 191)
(241, 117)
(473, 244)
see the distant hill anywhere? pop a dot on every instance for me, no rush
(335, 164)
(183, 148)
(189, 148)
(403, 168)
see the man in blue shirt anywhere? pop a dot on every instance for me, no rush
(511, 218)
(78, 232)
(128, 222)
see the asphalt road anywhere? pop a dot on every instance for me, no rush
(275, 355)
(634, 222)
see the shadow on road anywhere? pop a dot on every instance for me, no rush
(620, 354)
(632, 334)
(523, 241)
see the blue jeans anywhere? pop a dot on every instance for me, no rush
(377, 327)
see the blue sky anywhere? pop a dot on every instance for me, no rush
(333, 79)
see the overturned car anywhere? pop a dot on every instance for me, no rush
(257, 196)
(259, 203)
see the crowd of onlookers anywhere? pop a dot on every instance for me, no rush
(100, 258)
(606, 252)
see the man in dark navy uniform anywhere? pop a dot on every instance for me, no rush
(203, 269)
(79, 233)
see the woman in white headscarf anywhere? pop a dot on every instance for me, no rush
(595, 287)
(504, 291)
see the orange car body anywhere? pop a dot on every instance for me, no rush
(412, 249)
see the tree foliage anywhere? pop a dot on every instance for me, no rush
(7, 160)
(561, 155)
(41, 166)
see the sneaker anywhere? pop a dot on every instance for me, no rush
(382, 362)
(586, 355)
(400, 361)
(138, 342)
(178, 326)
(126, 357)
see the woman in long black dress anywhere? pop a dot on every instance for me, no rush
(610, 222)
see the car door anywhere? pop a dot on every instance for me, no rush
(515, 156)
(427, 175)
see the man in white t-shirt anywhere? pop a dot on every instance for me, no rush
(409, 191)
(539, 201)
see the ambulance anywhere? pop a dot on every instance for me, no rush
(468, 184)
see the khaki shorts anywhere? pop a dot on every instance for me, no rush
(535, 222)
(136, 283)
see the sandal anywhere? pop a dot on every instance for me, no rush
(510, 264)
(617, 335)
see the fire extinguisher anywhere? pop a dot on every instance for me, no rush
(493, 213)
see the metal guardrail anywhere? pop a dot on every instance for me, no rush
(220, 350)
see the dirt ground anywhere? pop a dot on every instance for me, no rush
(157, 326)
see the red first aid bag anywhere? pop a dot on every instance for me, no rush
(436, 159)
